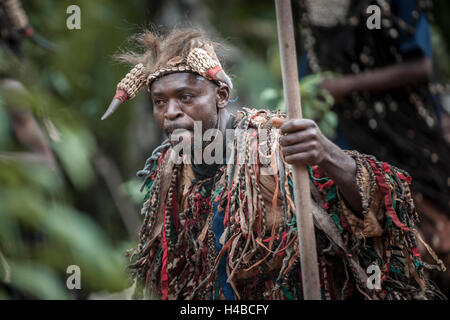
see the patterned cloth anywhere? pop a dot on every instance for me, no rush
(233, 235)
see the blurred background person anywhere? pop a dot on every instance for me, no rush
(14, 28)
(383, 96)
(38, 219)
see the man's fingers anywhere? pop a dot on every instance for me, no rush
(298, 148)
(296, 125)
(297, 137)
(304, 157)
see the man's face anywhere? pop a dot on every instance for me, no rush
(179, 99)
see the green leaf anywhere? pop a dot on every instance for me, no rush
(37, 281)
(75, 151)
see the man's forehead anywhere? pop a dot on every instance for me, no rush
(178, 79)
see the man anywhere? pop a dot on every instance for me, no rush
(226, 229)
(384, 99)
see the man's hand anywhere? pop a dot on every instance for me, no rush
(303, 142)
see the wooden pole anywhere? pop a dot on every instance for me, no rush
(305, 224)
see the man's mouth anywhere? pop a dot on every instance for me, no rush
(178, 133)
(170, 128)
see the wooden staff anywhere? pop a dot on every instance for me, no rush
(305, 224)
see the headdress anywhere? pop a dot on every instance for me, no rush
(194, 54)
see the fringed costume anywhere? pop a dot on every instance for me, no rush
(232, 235)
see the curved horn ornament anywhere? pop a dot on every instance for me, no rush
(222, 76)
(127, 88)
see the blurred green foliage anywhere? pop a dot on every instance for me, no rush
(41, 234)
(46, 221)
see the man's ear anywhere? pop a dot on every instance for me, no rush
(222, 96)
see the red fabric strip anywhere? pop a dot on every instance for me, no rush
(175, 209)
(225, 220)
(402, 177)
(343, 222)
(386, 192)
(326, 185)
(164, 276)
(415, 252)
(386, 167)
(318, 172)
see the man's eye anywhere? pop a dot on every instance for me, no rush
(186, 98)
(158, 102)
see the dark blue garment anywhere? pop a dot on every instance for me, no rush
(303, 66)
(218, 229)
(421, 38)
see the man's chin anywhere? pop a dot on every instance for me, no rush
(181, 138)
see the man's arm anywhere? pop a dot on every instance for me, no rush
(382, 79)
(303, 143)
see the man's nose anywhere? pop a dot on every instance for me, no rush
(173, 111)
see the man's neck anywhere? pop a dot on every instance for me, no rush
(203, 170)
(224, 117)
